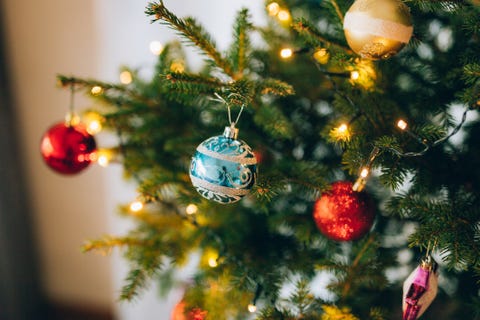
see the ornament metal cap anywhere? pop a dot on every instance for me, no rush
(231, 132)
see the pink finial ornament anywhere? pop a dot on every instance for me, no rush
(420, 289)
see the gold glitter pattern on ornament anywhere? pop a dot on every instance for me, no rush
(377, 29)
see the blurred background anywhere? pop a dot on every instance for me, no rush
(45, 217)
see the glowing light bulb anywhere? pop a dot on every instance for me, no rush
(342, 128)
(136, 206)
(96, 90)
(364, 173)
(126, 77)
(402, 124)
(252, 308)
(286, 53)
(283, 15)
(156, 47)
(93, 122)
(103, 160)
(273, 9)
(103, 157)
(191, 209)
(177, 66)
(212, 262)
(341, 133)
(321, 55)
(354, 75)
(94, 127)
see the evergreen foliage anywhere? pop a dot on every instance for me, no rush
(427, 187)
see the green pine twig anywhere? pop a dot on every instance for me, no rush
(192, 31)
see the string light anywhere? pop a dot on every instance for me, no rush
(93, 122)
(283, 15)
(104, 156)
(341, 133)
(252, 308)
(103, 160)
(177, 66)
(364, 173)
(126, 77)
(191, 209)
(362, 179)
(156, 47)
(286, 53)
(212, 262)
(273, 9)
(136, 206)
(322, 56)
(96, 90)
(343, 128)
(402, 124)
(354, 75)
(363, 74)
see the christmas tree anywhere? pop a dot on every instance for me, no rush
(347, 162)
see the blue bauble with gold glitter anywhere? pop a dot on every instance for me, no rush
(223, 168)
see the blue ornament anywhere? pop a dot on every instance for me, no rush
(223, 168)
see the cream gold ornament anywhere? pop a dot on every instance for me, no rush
(377, 29)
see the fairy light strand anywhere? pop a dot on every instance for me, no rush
(428, 146)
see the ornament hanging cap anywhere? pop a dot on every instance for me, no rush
(230, 131)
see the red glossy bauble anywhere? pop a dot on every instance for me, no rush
(342, 214)
(178, 313)
(68, 149)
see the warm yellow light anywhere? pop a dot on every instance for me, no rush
(156, 47)
(273, 9)
(177, 66)
(212, 262)
(103, 157)
(103, 160)
(286, 53)
(354, 75)
(126, 77)
(341, 133)
(191, 209)
(94, 127)
(96, 90)
(402, 124)
(364, 173)
(343, 128)
(283, 15)
(321, 55)
(93, 122)
(136, 206)
(363, 74)
(252, 308)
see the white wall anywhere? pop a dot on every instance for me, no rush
(45, 38)
(90, 39)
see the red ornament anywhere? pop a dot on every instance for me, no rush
(343, 214)
(178, 313)
(68, 149)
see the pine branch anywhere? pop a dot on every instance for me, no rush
(275, 87)
(136, 280)
(192, 31)
(107, 243)
(314, 37)
(240, 49)
(113, 93)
